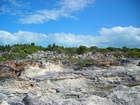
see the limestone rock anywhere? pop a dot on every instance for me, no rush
(123, 95)
(55, 84)
(28, 100)
(3, 97)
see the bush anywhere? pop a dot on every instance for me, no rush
(81, 49)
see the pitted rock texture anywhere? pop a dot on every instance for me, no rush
(54, 84)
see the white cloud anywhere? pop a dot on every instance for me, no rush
(73, 40)
(15, 3)
(75, 5)
(116, 37)
(67, 8)
(12, 7)
(41, 16)
(4, 9)
(21, 37)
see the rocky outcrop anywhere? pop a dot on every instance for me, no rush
(14, 69)
(46, 83)
(123, 95)
(11, 69)
(6, 71)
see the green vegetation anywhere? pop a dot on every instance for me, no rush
(84, 62)
(132, 85)
(81, 49)
(20, 51)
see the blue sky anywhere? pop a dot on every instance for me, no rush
(71, 23)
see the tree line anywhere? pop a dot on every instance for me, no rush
(20, 51)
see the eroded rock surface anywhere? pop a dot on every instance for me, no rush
(57, 84)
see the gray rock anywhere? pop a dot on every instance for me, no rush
(91, 86)
(2, 97)
(31, 101)
(123, 95)
(16, 103)
(42, 63)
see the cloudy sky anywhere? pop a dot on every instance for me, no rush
(71, 23)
